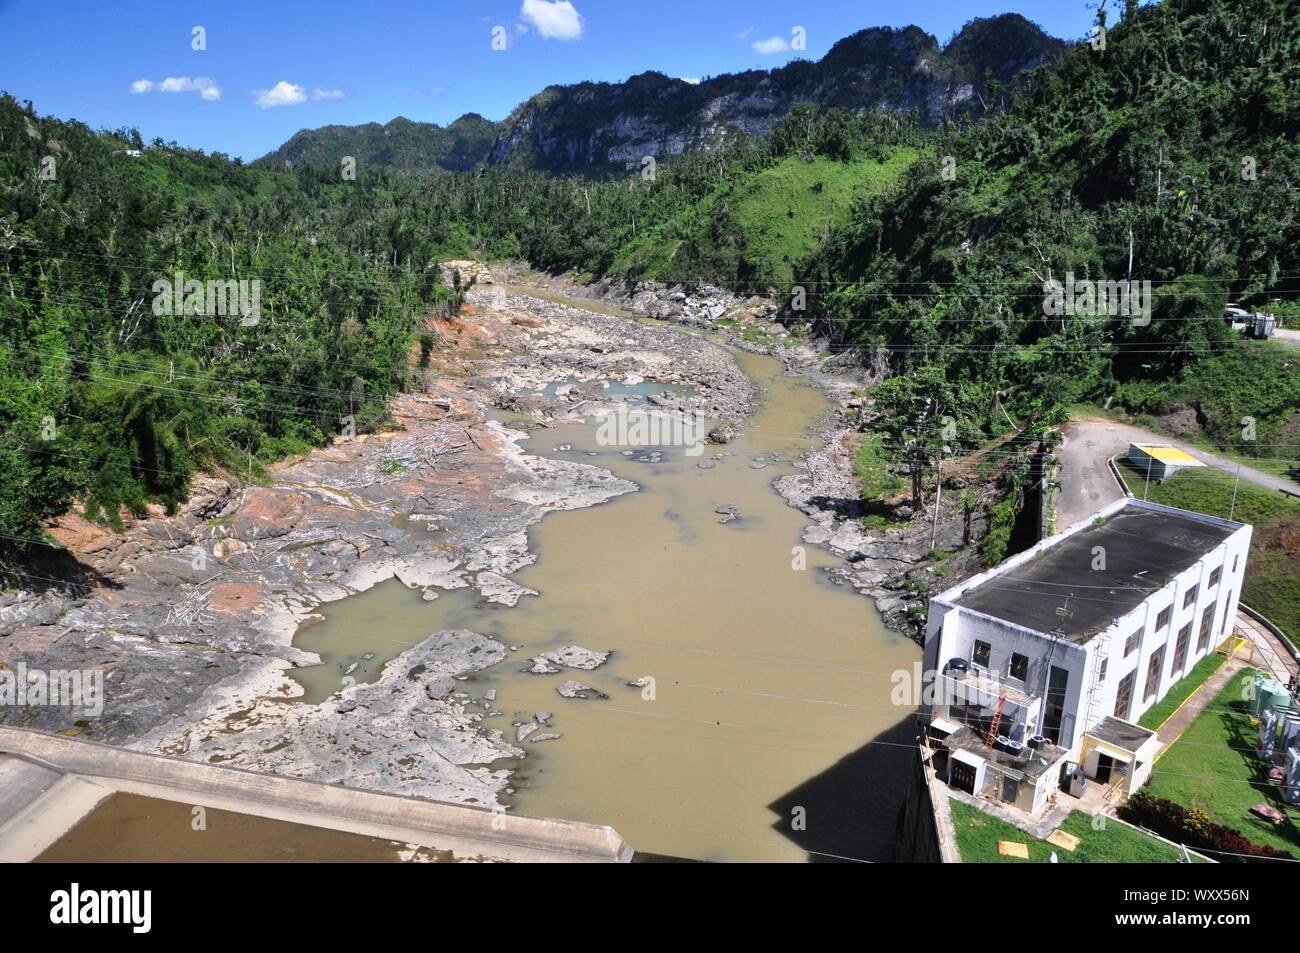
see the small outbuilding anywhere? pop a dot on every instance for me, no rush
(1119, 753)
(1160, 463)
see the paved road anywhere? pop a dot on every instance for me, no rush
(1086, 481)
(1269, 654)
(1287, 336)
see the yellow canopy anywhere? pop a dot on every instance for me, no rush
(1170, 455)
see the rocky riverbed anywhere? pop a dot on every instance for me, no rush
(888, 565)
(191, 617)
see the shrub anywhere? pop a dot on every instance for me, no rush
(1192, 827)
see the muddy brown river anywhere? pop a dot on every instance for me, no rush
(769, 735)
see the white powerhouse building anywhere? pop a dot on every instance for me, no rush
(1054, 654)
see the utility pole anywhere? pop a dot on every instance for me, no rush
(938, 493)
(1235, 483)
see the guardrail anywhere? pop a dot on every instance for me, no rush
(1273, 629)
(1119, 477)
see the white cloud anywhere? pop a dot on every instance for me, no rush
(553, 19)
(281, 94)
(773, 44)
(319, 94)
(744, 34)
(693, 80)
(205, 87)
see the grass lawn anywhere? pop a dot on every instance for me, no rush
(978, 835)
(785, 210)
(1272, 582)
(1155, 715)
(1213, 767)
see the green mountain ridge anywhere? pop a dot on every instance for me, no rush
(597, 128)
(401, 143)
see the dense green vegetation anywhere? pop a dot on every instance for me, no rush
(107, 401)
(1115, 162)
(397, 144)
(922, 252)
(1272, 581)
(1213, 768)
(1115, 843)
(1242, 399)
(756, 225)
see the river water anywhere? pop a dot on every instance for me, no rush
(770, 735)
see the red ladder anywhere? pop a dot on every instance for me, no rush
(992, 736)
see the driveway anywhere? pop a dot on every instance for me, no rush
(1287, 336)
(1086, 481)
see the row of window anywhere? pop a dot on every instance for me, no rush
(1165, 614)
(1124, 696)
(1018, 667)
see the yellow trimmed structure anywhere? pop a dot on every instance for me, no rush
(1160, 462)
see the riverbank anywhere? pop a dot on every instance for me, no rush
(191, 618)
(895, 565)
(202, 618)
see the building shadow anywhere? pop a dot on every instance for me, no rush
(852, 809)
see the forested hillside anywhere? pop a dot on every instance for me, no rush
(923, 253)
(1171, 156)
(397, 144)
(105, 402)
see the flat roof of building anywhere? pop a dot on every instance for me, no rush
(1144, 549)
(1169, 455)
(1031, 762)
(1121, 734)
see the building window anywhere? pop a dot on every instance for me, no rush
(1234, 564)
(1180, 648)
(1019, 666)
(981, 654)
(1058, 683)
(1101, 672)
(1215, 575)
(1189, 598)
(1153, 674)
(1124, 696)
(1207, 620)
(1131, 644)
(1162, 619)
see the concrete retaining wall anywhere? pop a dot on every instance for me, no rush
(925, 831)
(468, 831)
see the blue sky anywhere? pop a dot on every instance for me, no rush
(273, 67)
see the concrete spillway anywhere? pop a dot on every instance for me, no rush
(49, 783)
